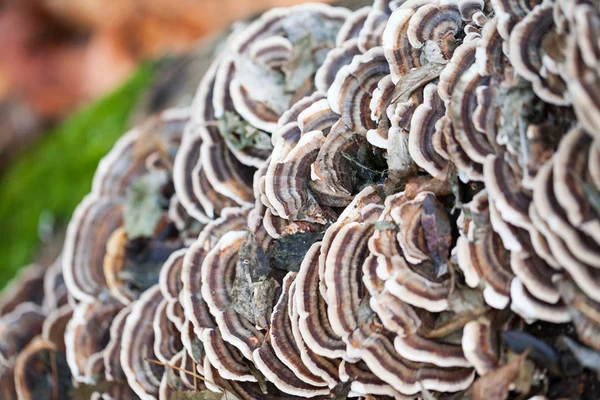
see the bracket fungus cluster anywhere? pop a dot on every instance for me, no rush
(379, 203)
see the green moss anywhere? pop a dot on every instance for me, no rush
(51, 178)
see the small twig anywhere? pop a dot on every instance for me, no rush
(209, 124)
(452, 277)
(162, 364)
(195, 375)
(455, 323)
(195, 379)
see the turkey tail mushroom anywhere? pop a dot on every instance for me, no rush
(356, 204)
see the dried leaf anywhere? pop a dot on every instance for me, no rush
(83, 391)
(204, 395)
(253, 291)
(288, 252)
(260, 378)
(416, 78)
(524, 379)
(520, 107)
(263, 296)
(241, 295)
(399, 160)
(496, 384)
(144, 204)
(253, 300)
(341, 391)
(425, 183)
(266, 85)
(426, 394)
(438, 233)
(593, 196)
(239, 134)
(455, 323)
(541, 353)
(479, 224)
(366, 314)
(173, 379)
(386, 225)
(253, 259)
(463, 300)
(197, 348)
(301, 66)
(455, 187)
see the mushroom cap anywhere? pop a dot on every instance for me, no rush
(25, 287)
(55, 290)
(402, 139)
(478, 344)
(363, 382)
(55, 325)
(86, 337)
(401, 56)
(8, 390)
(113, 264)
(167, 340)
(326, 369)
(350, 93)
(41, 372)
(342, 55)
(218, 275)
(287, 191)
(137, 343)
(574, 157)
(342, 275)
(418, 239)
(93, 222)
(113, 370)
(18, 328)
(531, 309)
(423, 128)
(527, 48)
(158, 137)
(353, 26)
(486, 260)
(376, 20)
(282, 337)
(378, 353)
(225, 358)
(313, 323)
(169, 280)
(250, 83)
(206, 185)
(185, 162)
(572, 248)
(511, 201)
(195, 308)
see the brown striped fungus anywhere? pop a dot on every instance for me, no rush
(356, 204)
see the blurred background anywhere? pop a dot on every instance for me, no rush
(74, 76)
